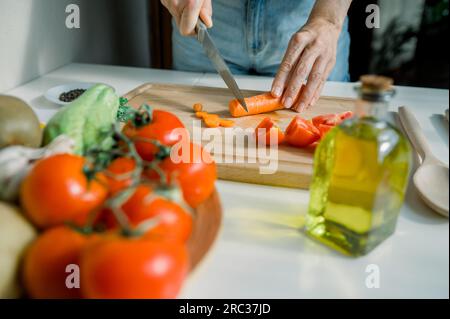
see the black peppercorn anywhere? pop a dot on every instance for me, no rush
(71, 95)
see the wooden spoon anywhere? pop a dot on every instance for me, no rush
(431, 178)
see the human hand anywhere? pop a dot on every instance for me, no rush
(309, 60)
(187, 12)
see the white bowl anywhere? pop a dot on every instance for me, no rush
(53, 94)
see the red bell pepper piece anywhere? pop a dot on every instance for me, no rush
(301, 132)
(266, 129)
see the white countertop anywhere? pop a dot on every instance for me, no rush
(258, 253)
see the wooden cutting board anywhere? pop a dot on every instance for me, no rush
(291, 167)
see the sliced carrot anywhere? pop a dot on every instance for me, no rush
(198, 107)
(200, 115)
(213, 116)
(211, 120)
(226, 123)
(257, 104)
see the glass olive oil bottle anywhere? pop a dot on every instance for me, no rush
(361, 170)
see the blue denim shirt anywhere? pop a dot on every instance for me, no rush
(252, 36)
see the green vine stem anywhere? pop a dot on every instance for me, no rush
(164, 151)
(115, 205)
(140, 117)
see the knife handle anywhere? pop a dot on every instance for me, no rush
(200, 25)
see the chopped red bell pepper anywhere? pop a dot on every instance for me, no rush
(269, 133)
(301, 132)
(324, 128)
(346, 115)
(331, 119)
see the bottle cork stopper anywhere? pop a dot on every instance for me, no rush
(376, 83)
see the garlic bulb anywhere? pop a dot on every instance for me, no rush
(16, 162)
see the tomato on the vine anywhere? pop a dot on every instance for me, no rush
(45, 265)
(172, 222)
(120, 268)
(194, 171)
(57, 191)
(161, 129)
(118, 174)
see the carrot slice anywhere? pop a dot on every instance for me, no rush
(198, 107)
(257, 104)
(211, 120)
(226, 123)
(213, 116)
(200, 115)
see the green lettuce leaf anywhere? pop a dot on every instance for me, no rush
(86, 120)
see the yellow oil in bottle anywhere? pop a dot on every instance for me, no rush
(361, 171)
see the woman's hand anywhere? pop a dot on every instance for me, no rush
(309, 59)
(187, 12)
(311, 56)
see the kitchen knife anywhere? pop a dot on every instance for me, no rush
(213, 54)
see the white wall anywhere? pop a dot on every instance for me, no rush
(34, 39)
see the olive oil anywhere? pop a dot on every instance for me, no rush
(361, 169)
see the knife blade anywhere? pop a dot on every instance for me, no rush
(214, 56)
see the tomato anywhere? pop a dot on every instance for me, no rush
(118, 174)
(56, 191)
(194, 171)
(44, 268)
(326, 122)
(324, 129)
(133, 268)
(346, 115)
(301, 132)
(266, 129)
(162, 129)
(174, 222)
(327, 119)
(331, 119)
